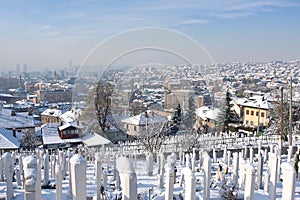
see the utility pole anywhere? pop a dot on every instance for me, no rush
(258, 120)
(281, 118)
(291, 112)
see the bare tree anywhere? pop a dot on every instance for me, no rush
(274, 120)
(88, 117)
(103, 94)
(152, 136)
(191, 139)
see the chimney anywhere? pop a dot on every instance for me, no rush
(30, 112)
(13, 113)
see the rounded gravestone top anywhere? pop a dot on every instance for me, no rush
(30, 162)
(287, 166)
(98, 156)
(124, 165)
(169, 168)
(77, 159)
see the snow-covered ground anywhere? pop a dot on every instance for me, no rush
(146, 185)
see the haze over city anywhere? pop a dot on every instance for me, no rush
(49, 34)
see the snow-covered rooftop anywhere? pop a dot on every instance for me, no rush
(144, 118)
(7, 140)
(20, 120)
(257, 104)
(67, 125)
(50, 135)
(206, 112)
(95, 139)
(239, 101)
(71, 115)
(52, 112)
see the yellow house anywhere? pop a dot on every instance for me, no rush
(51, 115)
(255, 112)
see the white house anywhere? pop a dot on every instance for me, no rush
(133, 124)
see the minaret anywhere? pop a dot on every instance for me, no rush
(20, 81)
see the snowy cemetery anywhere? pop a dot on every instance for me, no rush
(125, 171)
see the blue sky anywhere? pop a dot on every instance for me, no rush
(49, 33)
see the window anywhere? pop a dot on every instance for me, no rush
(247, 112)
(247, 122)
(252, 112)
(262, 114)
(251, 123)
(256, 113)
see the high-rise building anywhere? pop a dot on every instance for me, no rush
(18, 71)
(25, 68)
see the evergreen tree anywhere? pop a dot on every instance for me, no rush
(227, 114)
(177, 115)
(190, 116)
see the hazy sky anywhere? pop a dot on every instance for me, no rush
(50, 33)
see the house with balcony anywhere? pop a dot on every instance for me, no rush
(58, 135)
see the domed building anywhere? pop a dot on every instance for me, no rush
(20, 91)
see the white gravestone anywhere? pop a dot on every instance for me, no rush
(169, 182)
(128, 178)
(149, 164)
(98, 173)
(78, 174)
(207, 176)
(250, 182)
(30, 176)
(46, 168)
(260, 170)
(289, 181)
(190, 184)
(8, 172)
(273, 175)
(235, 168)
(59, 177)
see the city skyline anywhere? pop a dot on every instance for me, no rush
(49, 34)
